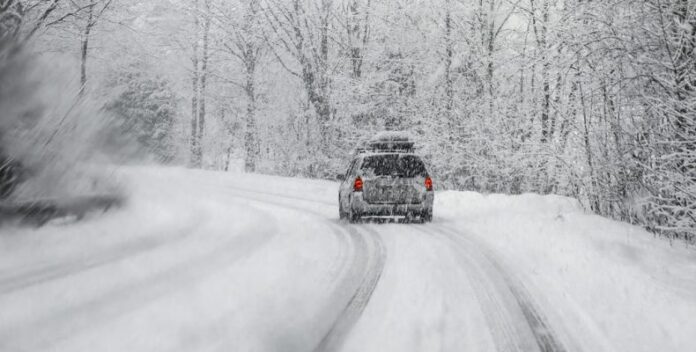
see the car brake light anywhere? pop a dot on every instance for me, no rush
(428, 183)
(358, 185)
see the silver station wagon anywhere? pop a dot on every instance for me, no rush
(386, 179)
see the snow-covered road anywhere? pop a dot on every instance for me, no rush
(211, 261)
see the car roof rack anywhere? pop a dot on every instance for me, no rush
(390, 141)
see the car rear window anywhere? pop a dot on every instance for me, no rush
(393, 165)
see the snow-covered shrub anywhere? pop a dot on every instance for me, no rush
(145, 108)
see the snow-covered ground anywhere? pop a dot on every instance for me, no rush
(201, 260)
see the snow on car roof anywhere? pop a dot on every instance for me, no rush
(387, 142)
(391, 136)
(386, 152)
(363, 151)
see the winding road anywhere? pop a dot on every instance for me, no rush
(267, 270)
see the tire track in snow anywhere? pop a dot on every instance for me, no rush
(254, 192)
(502, 323)
(338, 231)
(21, 279)
(503, 297)
(368, 265)
(73, 319)
(358, 283)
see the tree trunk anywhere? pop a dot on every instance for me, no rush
(449, 53)
(542, 42)
(85, 45)
(250, 136)
(195, 145)
(685, 84)
(203, 85)
(324, 104)
(354, 36)
(592, 193)
(490, 48)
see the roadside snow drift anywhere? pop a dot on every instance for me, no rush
(614, 286)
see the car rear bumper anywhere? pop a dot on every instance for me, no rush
(362, 208)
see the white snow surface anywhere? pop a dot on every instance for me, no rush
(200, 260)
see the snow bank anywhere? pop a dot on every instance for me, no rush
(609, 282)
(452, 203)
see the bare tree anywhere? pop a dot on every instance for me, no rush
(302, 31)
(244, 42)
(18, 16)
(358, 32)
(199, 59)
(84, 15)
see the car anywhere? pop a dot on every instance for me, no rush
(386, 179)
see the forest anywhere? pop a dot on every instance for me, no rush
(594, 100)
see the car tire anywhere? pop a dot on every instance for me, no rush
(410, 218)
(352, 217)
(341, 214)
(427, 216)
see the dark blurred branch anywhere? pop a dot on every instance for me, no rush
(42, 19)
(69, 14)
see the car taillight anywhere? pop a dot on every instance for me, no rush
(358, 185)
(428, 184)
